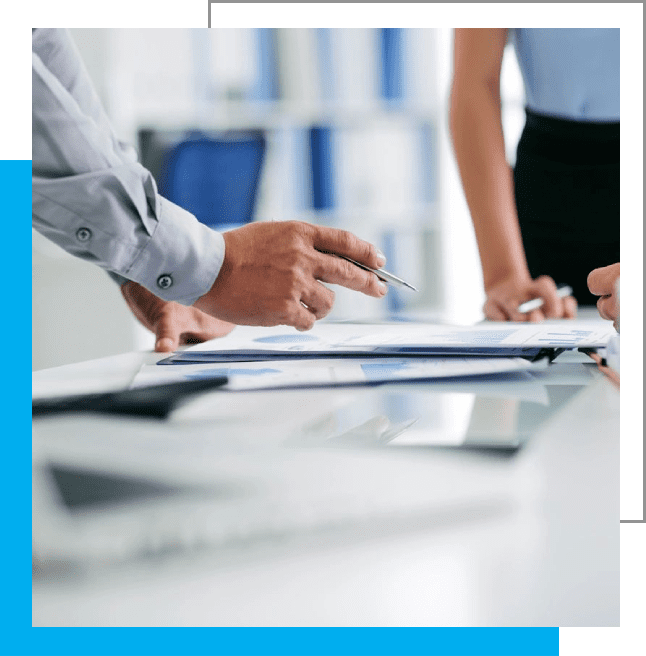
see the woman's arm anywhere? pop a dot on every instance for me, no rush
(476, 130)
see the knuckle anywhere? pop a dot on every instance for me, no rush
(366, 250)
(346, 237)
(293, 285)
(300, 230)
(323, 309)
(286, 308)
(300, 226)
(546, 283)
(346, 269)
(328, 302)
(351, 243)
(292, 258)
(371, 284)
(302, 321)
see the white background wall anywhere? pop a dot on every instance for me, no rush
(78, 312)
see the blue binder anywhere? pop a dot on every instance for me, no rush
(321, 167)
(215, 177)
(392, 63)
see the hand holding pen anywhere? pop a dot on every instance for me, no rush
(562, 291)
(272, 273)
(525, 299)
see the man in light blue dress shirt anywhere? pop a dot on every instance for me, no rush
(180, 278)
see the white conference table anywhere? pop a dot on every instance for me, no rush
(429, 536)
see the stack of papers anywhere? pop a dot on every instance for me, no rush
(250, 344)
(324, 373)
(334, 354)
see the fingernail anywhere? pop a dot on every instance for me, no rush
(381, 259)
(383, 287)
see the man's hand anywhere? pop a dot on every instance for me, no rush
(272, 274)
(603, 282)
(504, 297)
(172, 323)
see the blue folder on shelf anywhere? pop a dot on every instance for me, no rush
(215, 176)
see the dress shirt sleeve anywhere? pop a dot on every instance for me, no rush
(91, 196)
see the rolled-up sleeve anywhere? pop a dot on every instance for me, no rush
(91, 196)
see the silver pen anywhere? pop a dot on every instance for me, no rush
(535, 303)
(381, 274)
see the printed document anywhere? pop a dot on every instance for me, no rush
(248, 343)
(333, 372)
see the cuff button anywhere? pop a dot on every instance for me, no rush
(164, 281)
(84, 234)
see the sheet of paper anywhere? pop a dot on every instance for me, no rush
(335, 339)
(308, 373)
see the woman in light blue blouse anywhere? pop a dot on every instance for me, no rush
(555, 217)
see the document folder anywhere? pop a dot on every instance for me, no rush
(344, 340)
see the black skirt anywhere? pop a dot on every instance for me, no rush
(566, 182)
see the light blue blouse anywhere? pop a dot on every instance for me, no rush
(570, 73)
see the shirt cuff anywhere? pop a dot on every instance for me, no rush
(182, 258)
(120, 280)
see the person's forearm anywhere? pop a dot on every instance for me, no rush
(487, 180)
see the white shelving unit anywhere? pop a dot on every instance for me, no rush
(286, 82)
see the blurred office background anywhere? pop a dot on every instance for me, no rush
(352, 126)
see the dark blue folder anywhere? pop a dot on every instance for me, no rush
(213, 175)
(215, 179)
